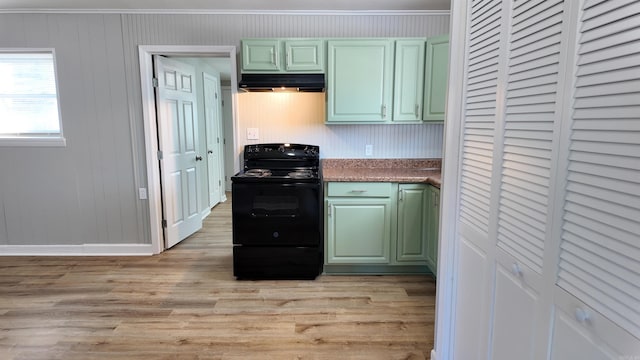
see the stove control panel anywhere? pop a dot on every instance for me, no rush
(277, 151)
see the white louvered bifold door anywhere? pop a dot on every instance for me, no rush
(600, 244)
(480, 112)
(549, 182)
(482, 62)
(530, 115)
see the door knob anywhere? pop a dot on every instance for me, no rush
(198, 158)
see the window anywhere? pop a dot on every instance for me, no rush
(29, 111)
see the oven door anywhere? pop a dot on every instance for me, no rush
(274, 214)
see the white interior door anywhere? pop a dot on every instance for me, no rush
(178, 140)
(214, 146)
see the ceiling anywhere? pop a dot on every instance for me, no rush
(227, 5)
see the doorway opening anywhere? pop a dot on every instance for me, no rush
(225, 55)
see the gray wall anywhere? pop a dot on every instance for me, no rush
(86, 193)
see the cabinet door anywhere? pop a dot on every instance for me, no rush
(437, 70)
(408, 81)
(304, 55)
(412, 223)
(261, 55)
(358, 231)
(433, 228)
(359, 81)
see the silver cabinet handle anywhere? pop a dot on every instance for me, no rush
(358, 191)
(287, 60)
(417, 111)
(400, 193)
(273, 57)
(384, 111)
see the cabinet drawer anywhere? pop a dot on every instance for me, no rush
(359, 189)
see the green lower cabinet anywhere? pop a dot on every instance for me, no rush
(433, 228)
(358, 231)
(413, 228)
(378, 228)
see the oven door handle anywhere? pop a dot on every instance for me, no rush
(291, 216)
(300, 185)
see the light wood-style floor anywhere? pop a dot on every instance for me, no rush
(186, 304)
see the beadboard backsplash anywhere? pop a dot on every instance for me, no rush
(299, 118)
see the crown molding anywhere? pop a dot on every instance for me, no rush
(231, 12)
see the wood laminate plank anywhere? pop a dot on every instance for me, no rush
(186, 304)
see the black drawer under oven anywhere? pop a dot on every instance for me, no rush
(277, 262)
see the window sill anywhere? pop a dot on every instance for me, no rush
(33, 141)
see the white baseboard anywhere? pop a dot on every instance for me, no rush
(77, 250)
(433, 355)
(205, 213)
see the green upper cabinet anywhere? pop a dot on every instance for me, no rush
(359, 81)
(282, 55)
(261, 55)
(408, 80)
(304, 55)
(435, 90)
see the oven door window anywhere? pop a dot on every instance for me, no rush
(275, 206)
(270, 214)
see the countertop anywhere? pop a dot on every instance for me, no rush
(382, 170)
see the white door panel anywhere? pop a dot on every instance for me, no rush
(215, 162)
(178, 140)
(472, 302)
(515, 317)
(571, 342)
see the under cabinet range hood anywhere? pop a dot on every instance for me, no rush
(282, 82)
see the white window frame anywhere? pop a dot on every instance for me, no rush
(57, 140)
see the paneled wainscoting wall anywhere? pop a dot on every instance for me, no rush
(87, 192)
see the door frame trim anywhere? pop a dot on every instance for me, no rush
(449, 241)
(220, 132)
(145, 55)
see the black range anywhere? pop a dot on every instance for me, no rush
(277, 213)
